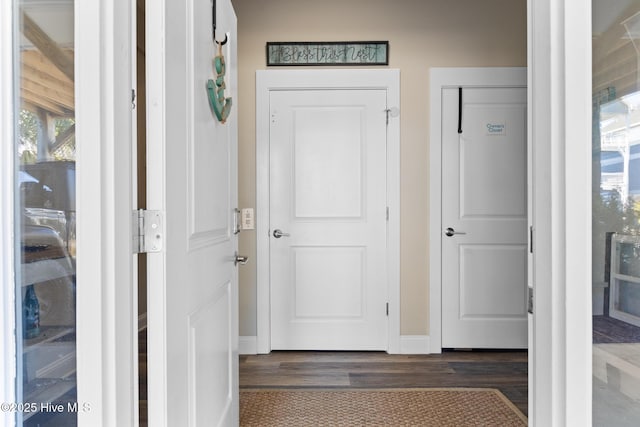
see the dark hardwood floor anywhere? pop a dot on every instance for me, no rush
(504, 370)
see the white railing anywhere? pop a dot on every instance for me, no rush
(612, 181)
(625, 279)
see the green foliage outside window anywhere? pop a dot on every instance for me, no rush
(28, 124)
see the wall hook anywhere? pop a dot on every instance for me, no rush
(213, 19)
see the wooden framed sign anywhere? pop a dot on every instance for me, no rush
(328, 53)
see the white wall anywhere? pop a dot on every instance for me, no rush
(422, 34)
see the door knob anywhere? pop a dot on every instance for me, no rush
(450, 232)
(240, 259)
(279, 233)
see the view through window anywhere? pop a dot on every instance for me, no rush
(616, 212)
(45, 214)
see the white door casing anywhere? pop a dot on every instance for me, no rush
(484, 201)
(560, 109)
(278, 80)
(192, 178)
(328, 196)
(441, 78)
(106, 323)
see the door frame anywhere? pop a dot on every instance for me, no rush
(559, 77)
(106, 359)
(441, 78)
(107, 323)
(273, 80)
(563, 389)
(8, 89)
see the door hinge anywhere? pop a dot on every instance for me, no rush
(147, 231)
(530, 299)
(387, 213)
(133, 99)
(387, 309)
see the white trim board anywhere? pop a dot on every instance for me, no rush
(106, 323)
(439, 79)
(248, 345)
(271, 80)
(415, 344)
(560, 111)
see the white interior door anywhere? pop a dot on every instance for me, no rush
(328, 220)
(484, 217)
(192, 178)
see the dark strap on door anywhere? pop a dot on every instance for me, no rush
(459, 110)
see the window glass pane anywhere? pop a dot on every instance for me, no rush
(616, 212)
(46, 217)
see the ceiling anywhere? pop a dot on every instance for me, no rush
(46, 46)
(47, 63)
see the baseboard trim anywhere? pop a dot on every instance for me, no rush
(409, 344)
(248, 345)
(414, 344)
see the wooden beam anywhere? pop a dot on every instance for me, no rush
(26, 104)
(47, 46)
(51, 94)
(49, 80)
(36, 61)
(48, 89)
(33, 102)
(45, 86)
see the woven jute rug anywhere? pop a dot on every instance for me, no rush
(377, 407)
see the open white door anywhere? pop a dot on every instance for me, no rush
(192, 181)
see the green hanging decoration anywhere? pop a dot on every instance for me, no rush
(220, 105)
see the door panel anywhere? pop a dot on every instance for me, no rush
(211, 360)
(486, 287)
(193, 299)
(328, 282)
(491, 187)
(328, 193)
(328, 163)
(484, 202)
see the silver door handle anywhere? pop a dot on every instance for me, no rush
(279, 233)
(450, 232)
(240, 259)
